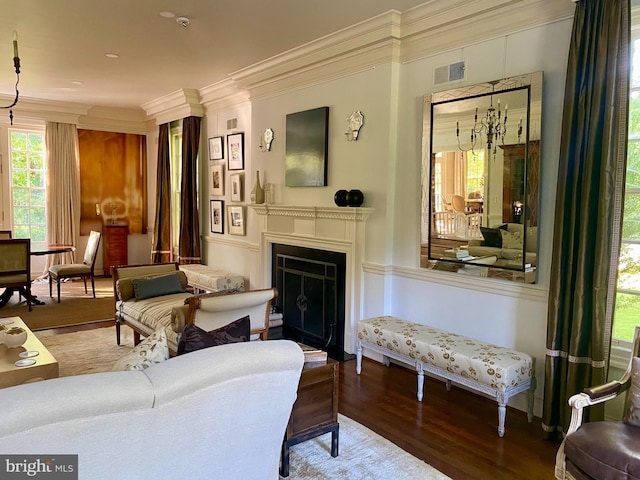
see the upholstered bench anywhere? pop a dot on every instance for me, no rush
(494, 371)
(206, 279)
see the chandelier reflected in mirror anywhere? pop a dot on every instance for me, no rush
(16, 66)
(493, 125)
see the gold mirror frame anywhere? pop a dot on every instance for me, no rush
(492, 231)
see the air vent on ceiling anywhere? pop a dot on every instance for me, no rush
(232, 123)
(448, 73)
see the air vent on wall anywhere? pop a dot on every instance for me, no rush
(448, 73)
(232, 123)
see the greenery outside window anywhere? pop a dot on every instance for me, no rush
(28, 184)
(627, 307)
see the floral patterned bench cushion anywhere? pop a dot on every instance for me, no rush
(497, 367)
(211, 280)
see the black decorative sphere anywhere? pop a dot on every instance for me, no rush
(355, 198)
(341, 198)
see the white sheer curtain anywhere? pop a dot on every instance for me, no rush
(63, 188)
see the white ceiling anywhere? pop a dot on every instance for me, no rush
(62, 41)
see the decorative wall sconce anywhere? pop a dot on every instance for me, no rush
(265, 140)
(16, 64)
(355, 120)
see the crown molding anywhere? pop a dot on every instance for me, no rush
(174, 106)
(424, 30)
(121, 120)
(46, 110)
(221, 95)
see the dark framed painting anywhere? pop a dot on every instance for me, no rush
(216, 148)
(235, 151)
(216, 208)
(307, 146)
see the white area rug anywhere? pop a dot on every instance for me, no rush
(362, 455)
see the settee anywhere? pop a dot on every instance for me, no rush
(220, 412)
(507, 242)
(148, 297)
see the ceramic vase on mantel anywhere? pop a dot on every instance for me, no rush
(257, 193)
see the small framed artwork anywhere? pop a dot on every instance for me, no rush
(236, 220)
(235, 151)
(216, 209)
(216, 180)
(236, 187)
(216, 148)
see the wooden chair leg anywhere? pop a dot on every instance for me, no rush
(84, 279)
(50, 282)
(58, 289)
(93, 287)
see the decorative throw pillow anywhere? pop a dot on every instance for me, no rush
(511, 239)
(492, 237)
(153, 349)
(156, 286)
(632, 407)
(195, 338)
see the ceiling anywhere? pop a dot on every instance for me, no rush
(65, 41)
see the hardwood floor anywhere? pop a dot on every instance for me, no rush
(455, 431)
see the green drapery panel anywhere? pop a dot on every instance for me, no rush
(587, 219)
(189, 225)
(161, 252)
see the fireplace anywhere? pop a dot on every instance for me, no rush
(331, 230)
(311, 291)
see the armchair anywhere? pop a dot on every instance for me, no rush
(606, 449)
(15, 269)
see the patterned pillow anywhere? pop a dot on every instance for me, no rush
(195, 338)
(632, 407)
(153, 349)
(511, 239)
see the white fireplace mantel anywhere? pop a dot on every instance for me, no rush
(335, 229)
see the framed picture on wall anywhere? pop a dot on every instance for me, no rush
(216, 210)
(216, 180)
(216, 148)
(236, 187)
(236, 220)
(235, 151)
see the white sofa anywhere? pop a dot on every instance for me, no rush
(509, 252)
(217, 413)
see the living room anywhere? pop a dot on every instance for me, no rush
(383, 67)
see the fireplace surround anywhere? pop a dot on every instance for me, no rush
(332, 229)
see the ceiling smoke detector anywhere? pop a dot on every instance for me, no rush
(184, 21)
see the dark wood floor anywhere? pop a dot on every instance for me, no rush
(455, 431)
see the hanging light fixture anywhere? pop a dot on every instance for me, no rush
(493, 125)
(16, 64)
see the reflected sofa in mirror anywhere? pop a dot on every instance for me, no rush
(480, 172)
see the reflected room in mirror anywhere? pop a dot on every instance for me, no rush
(480, 171)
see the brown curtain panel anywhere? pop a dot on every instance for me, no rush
(588, 207)
(161, 252)
(189, 244)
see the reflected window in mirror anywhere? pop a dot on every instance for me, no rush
(480, 179)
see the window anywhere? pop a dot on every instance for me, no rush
(627, 308)
(175, 155)
(28, 184)
(475, 174)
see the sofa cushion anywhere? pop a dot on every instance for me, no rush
(492, 237)
(632, 407)
(125, 290)
(511, 239)
(156, 286)
(153, 349)
(195, 338)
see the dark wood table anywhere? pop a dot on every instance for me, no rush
(37, 250)
(315, 411)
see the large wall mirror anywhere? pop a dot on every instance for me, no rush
(480, 172)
